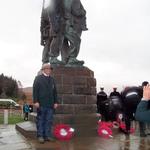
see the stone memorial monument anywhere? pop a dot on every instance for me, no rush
(62, 23)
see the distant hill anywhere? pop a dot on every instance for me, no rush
(27, 89)
(28, 93)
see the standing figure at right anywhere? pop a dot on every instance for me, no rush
(143, 125)
(143, 111)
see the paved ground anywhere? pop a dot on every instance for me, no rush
(10, 139)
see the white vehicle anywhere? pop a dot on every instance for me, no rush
(8, 102)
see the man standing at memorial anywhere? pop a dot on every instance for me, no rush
(45, 100)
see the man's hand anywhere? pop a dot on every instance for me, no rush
(146, 92)
(55, 105)
(37, 105)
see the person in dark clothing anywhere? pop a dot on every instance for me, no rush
(45, 100)
(102, 104)
(142, 125)
(26, 110)
(131, 96)
(115, 93)
(142, 111)
(115, 107)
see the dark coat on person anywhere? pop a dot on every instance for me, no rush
(115, 93)
(143, 112)
(44, 91)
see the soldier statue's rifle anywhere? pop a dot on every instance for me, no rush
(42, 25)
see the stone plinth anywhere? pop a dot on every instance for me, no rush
(76, 89)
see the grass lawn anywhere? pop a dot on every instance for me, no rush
(12, 119)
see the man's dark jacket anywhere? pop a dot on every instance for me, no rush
(44, 91)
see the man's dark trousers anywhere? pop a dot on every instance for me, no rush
(44, 121)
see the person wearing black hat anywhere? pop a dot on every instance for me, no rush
(115, 106)
(102, 104)
(115, 93)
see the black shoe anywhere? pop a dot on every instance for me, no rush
(142, 134)
(50, 139)
(127, 132)
(41, 140)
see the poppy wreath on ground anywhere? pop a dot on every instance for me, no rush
(63, 132)
(104, 129)
(104, 132)
(123, 128)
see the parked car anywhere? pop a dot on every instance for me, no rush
(8, 103)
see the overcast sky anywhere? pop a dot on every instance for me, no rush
(116, 46)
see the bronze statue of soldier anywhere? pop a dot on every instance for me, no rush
(63, 25)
